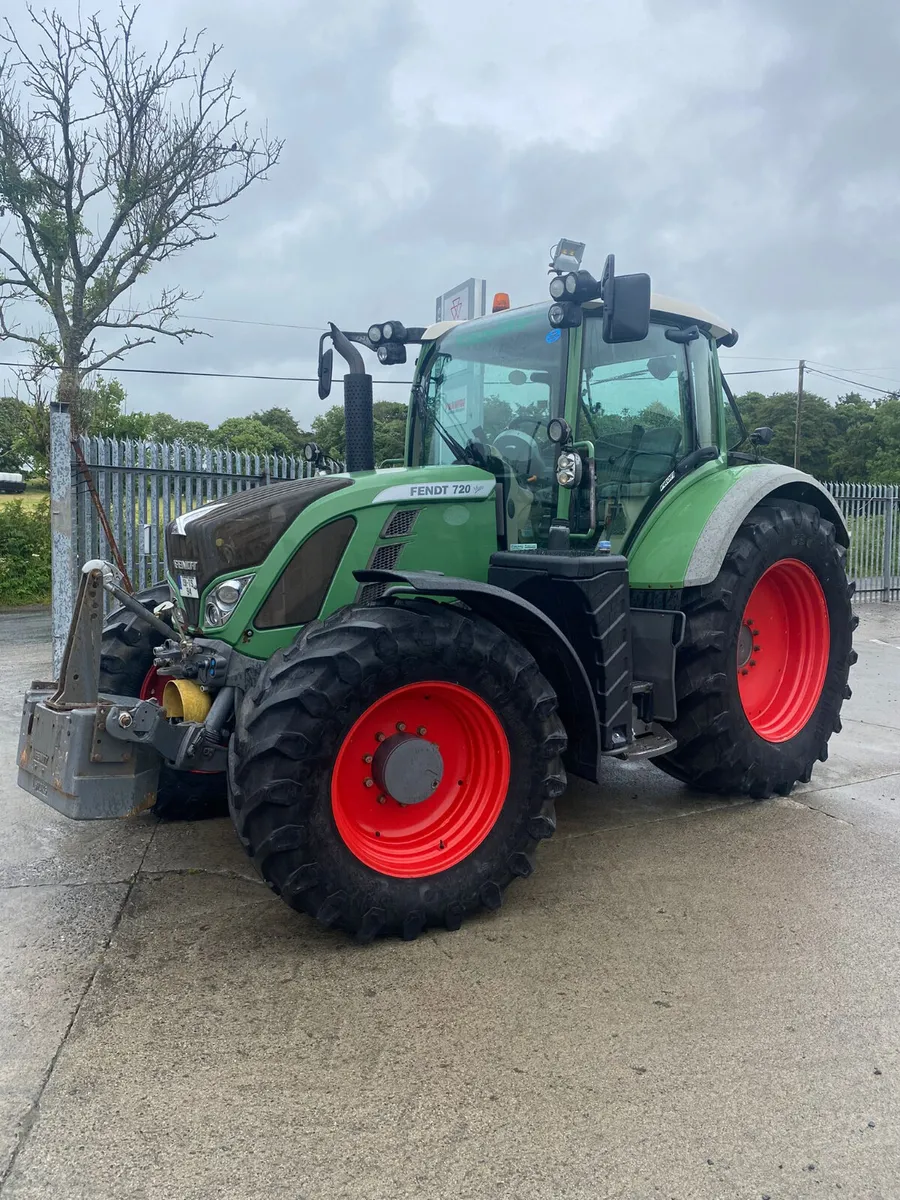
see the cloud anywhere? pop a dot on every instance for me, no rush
(742, 151)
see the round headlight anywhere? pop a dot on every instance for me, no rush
(388, 330)
(557, 315)
(374, 334)
(557, 287)
(571, 282)
(229, 592)
(213, 616)
(383, 352)
(558, 430)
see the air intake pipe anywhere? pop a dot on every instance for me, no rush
(358, 420)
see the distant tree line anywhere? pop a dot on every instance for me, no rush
(854, 439)
(100, 412)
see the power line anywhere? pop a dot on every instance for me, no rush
(765, 371)
(214, 374)
(244, 321)
(853, 382)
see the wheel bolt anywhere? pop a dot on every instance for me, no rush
(401, 726)
(745, 671)
(367, 758)
(379, 737)
(421, 731)
(382, 799)
(369, 782)
(752, 662)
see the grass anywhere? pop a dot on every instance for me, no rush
(34, 493)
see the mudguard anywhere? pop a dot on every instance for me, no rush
(686, 538)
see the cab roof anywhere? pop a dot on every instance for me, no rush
(663, 306)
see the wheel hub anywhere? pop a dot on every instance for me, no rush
(407, 768)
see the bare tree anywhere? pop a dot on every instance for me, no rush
(111, 160)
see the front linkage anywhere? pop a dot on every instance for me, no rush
(93, 756)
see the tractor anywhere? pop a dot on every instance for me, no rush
(390, 673)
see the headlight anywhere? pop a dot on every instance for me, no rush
(568, 469)
(223, 597)
(229, 592)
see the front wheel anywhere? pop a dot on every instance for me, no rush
(396, 768)
(762, 673)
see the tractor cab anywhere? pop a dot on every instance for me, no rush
(637, 414)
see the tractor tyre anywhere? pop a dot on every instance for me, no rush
(395, 768)
(126, 669)
(762, 672)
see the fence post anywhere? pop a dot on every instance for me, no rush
(62, 548)
(888, 542)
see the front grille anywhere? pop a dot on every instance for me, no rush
(400, 523)
(371, 592)
(385, 557)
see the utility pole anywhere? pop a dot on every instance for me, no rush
(802, 368)
(62, 549)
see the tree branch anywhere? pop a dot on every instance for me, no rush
(109, 173)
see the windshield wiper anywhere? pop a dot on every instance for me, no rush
(467, 454)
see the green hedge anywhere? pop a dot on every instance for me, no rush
(25, 553)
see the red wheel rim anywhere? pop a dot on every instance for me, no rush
(783, 650)
(153, 686)
(412, 840)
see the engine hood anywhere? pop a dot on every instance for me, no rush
(237, 533)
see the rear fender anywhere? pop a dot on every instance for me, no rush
(544, 640)
(685, 542)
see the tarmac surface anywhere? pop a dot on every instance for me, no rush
(690, 998)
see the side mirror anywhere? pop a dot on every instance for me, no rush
(762, 436)
(626, 304)
(326, 367)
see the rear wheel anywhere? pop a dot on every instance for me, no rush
(396, 768)
(762, 673)
(126, 669)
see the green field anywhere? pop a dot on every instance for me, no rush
(31, 498)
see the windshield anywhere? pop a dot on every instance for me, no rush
(493, 383)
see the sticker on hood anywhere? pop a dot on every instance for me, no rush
(449, 489)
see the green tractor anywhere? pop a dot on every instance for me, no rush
(392, 671)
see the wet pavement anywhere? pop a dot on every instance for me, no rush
(690, 998)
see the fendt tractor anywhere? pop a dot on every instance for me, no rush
(392, 671)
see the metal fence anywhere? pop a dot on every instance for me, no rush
(141, 486)
(871, 511)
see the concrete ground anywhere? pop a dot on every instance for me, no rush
(690, 998)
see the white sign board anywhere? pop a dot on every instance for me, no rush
(462, 303)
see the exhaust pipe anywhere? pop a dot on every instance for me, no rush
(358, 420)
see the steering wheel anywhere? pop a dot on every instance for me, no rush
(536, 423)
(520, 449)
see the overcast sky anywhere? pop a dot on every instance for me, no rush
(743, 152)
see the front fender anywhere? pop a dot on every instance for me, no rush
(544, 640)
(687, 537)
